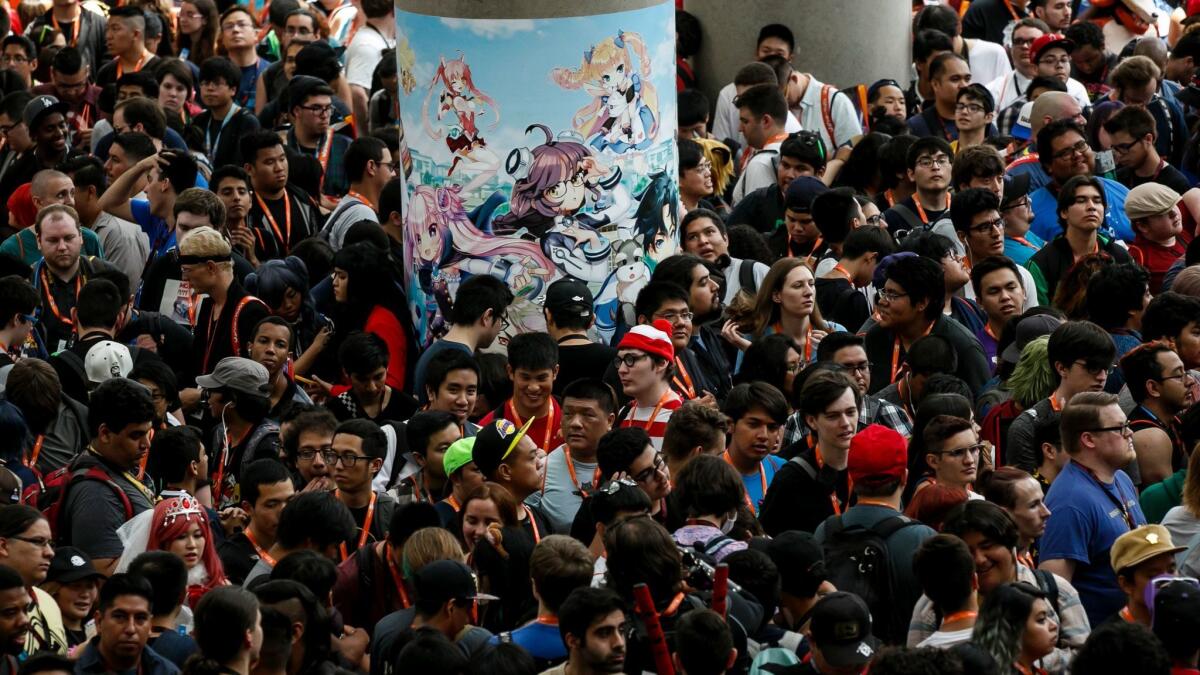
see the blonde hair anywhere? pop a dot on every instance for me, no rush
(606, 54)
(427, 545)
(721, 158)
(205, 241)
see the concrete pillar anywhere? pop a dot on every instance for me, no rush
(542, 145)
(841, 42)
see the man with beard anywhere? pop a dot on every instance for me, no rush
(591, 622)
(59, 276)
(14, 619)
(1158, 383)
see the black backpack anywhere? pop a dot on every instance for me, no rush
(857, 561)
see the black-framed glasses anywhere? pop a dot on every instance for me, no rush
(348, 459)
(1020, 203)
(929, 162)
(1164, 378)
(629, 360)
(36, 542)
(646, 474)
(863, 367)
(327, 454)
(1124, 429)
(959, 453)
(984, 228)
(318, 109)
(972, 108)
(1079, 148)
(1122, 148)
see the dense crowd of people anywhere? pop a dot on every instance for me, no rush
(917, 394)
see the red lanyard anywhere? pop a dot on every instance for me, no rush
(74, 30)
(362, 199)
(37, 450)
(283, 237)
(654, 413)
(66, 321)
(417, 494)
(365, 532)
(397, 578)
(262, 555)
(684, 385)
(838, 268)
(896, 353)
(136, 68)
(746, 156)
(549, 417)
(453, 503)
(778, 328)
(762, 479)
(323, 157)
(921, 209)
(959, 615)
(571, 470)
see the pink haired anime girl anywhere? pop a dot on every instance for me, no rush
(461, 99)
(623, 114)
(443, 247)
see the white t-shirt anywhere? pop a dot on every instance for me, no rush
(1026, 283)
(349, 211)
(760, 171)
(363, 54)
(988, 61)
(947, 639)
(1006, 89)
(725, 123)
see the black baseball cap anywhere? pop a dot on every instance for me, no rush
(569, 295)
(800, 560)
(1015, 187)
(801, 193)
(444, 580)
(494, 443)
(841, 628)
(71, 564)
(1177, 613)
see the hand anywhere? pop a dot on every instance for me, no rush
(815, 337)
(320, 484)
(322, 338)
(189, 398)
(733, 336)
(708, 400)
(352, 644)
(232, 520)
(319, 390)
(83, 137)
(243, 239)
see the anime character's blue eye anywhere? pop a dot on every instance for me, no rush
(605, 78)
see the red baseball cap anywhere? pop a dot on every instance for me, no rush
(1046, 42)
(877, 453)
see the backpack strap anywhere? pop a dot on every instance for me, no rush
(805, 465)
(710, 547)
(834, 525)
(889, 526)
(746, 276)
(911, 219)
(1049, 586)
(828, 91)
(97, 473)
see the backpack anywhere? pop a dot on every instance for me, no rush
(49, 494)
(857, 561)
(995, 427)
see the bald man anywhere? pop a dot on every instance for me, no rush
(47, 187)
(1049, 107)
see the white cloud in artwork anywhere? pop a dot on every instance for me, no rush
(490, 29)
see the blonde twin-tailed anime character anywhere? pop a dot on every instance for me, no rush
(459, 103)
(623, 114)
(444, 247)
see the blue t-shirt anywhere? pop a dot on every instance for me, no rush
(754, 481)
(162, 236)
(542, 641)
(1116, 223)
(1020, 253)
(1085, 520)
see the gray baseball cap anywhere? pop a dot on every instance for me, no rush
(239, 374)
(41, 105)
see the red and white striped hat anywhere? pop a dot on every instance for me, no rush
(654, 339)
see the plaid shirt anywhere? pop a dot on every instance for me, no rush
(336, 183)
(1073, 626)
(873, 411)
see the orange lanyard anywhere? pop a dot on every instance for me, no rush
(1054, 404)
(1127, 615)
(287, 211)
(959, 615)
(537, 535)
(74, 31)
(654, 413)
(219, 485)
(686, 384)
(762, 479)
(146, 457)
(750, 153)
(833, 498)
(136, 68)
(323, 157)
(891, 198)
(453, 503)
(365, 532)
(921, 209)
(361, 198)
(896, 353)
(843, 272)
(417, 494)
(1011, 11)
(1024, 242)
(778, 328)
(549, 417)
(397, 579)
(37, 450)
(987, 328)
(571, 470)
(66, 321)
(1026, 559)
(262, 555)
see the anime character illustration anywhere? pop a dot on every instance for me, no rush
(614, 304)
(655, 222)
(460, 102)
(623, 114)
(562, 185)
(444, 248)
(406, 61)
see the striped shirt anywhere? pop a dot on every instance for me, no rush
(639, 416)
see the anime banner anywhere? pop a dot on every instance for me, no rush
(540, 149)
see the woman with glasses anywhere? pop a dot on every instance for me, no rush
(27, 546)
(196, 39)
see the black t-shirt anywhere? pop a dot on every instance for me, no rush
(1169, 176)
(897, 222)
(761, 209)
(237, 557)
(579, 361)
(400, 406)
(841, 303)
(987, 19)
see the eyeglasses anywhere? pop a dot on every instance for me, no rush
(13, 58)
(982, 228)
(857, 367)
(629, 360)
(793, 368)
(1123, 148)
(327, 454)
(1023, 42)
(1092, 368)
(874, 220)
(1051, 61)
(930, 162)
(884, 295)
(298, 30)
(237, 25)
(1179, 377)
(348, 459)
(959, 453)
(319, 110)
(973, 108)
(191, 15)
(703, 167)
(36, 542)
(648, 473)
(1080, 148)
(1019, 204)
(672, 317)
(1123, 429)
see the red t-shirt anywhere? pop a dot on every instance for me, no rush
(384, 323)
(546, 431)
(1156, 258)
